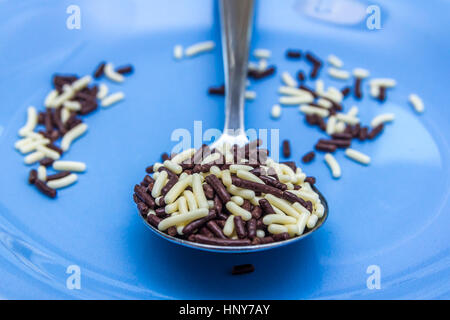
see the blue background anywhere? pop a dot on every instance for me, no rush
(393, 214)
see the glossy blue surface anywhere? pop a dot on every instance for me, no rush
(394, 214)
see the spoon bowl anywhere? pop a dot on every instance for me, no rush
(243, 249)
(236, 23)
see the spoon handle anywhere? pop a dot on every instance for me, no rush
(236, 24)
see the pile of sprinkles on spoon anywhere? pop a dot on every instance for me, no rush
(50, 133)
(323, 107)
(228, 196)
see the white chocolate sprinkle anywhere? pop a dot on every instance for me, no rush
(333, 165)
(416, 102)
(276, 111)
(63, 182)
(289, 80)
(262, 53)
(75, 166)
(112, 99)
(357, 156)
(32, 119)
(111, 74)
(382, 118)
(198, 48)
(72, 134)
(335, 61)
(338, 73)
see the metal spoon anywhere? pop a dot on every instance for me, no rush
(236, 23)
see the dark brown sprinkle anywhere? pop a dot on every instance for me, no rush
(170, 174)
(218, 186)
(218, 205)
(256, 74)
(172, 231)
(256, 212)
(136, 199)
(256, 171)
(382, 94)
(215, 229)
(326, 147)
(309, 157)
(273, 182)
(321, 123)
(165, 157)
(280, 236)
(148, 181)
(375, 131)
(355, 130)
(58, 122)
(289, 196)
(315, 71)
(255, 186)
(48, 121)
(161, 213)
(313, 59)
(301, 76)
(363, 133)
(251, 227)
(99, 71)
(311, 180)
(240, 227)
(42, 187)
(46, 162)
(82, 96)
(342, 135)
(220, 223)
(206, 232)
(220, 90)
(72, 124)
(265, 240)
(55, 148)
(41, 118)
(172, 181)
(357, 88)
(149, 169)
(88, 106)
(309, 206)
(293, 54)
(58, 175)
(221, 242)
(222, 216)
(125, 69)
(286, 149)
(60, 80)
(201, 154)
(32, 176)
(340, 143)
(346, 91)
(209, 191)
(297, 187)
(144, 196)
(266, 207)
(194, 225)
(142, 207)
(153, 220)
(160, 201)
(242, 269)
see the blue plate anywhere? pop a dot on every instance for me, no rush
(389, 219)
